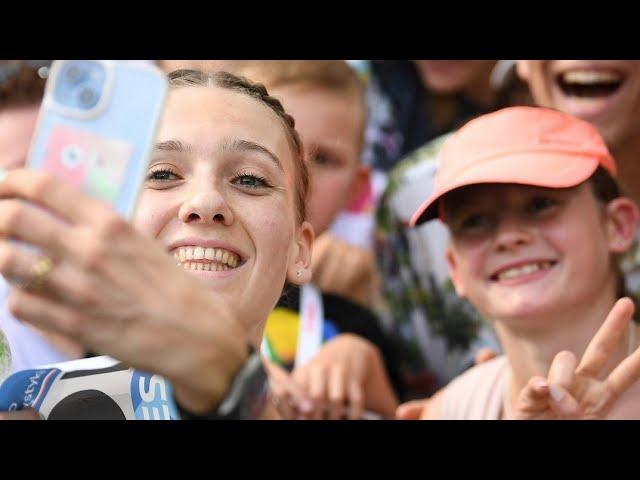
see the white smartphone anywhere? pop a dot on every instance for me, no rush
(97, 126)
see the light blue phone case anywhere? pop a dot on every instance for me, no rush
(101, 146)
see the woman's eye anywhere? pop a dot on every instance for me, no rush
(324, 160)
(540, 204)
(162, 175)
(474, 223)
(250, 181)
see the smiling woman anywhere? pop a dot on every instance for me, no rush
(226, 191)
(224, 197)
(605, 93)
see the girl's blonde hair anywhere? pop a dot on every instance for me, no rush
(334, 76)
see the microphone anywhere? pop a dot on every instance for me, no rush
(99, 388)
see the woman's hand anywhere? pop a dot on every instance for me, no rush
(575, 390)
(344, 269)
(345, 377)
(102, 284)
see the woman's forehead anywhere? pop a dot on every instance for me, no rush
(202, 116)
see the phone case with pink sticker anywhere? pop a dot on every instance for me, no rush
(97, 126)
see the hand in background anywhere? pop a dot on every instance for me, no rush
(288, 397)
(413, 410)
(346, 377)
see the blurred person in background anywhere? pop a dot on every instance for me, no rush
(425, 99)
(605, 93)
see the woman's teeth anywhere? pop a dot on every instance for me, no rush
(590, 83)
(218, 258)
(587, 77)
(527, 269)
(206, 266)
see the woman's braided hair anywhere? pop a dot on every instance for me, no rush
(221, 79)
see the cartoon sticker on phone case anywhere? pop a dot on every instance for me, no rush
(93, 164)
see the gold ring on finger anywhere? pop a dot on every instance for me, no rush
(39, 272)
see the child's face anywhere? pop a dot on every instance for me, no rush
(520, 252)
(331, 127)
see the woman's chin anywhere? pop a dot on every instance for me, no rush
(523, 311)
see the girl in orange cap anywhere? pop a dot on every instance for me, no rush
(537, 224)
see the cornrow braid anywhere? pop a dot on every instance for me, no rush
(222, 79)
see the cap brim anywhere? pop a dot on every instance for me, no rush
(540, 169)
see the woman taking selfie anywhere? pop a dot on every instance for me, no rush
(224, 198)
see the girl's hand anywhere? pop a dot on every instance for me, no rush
(413, 410)
(100, 283)
(288, 397)
(575, 390)
(345, 377)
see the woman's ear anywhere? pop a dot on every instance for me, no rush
(299, 271)
(622, 224)
(453, 271)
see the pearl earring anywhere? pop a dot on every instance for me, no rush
(298, 273)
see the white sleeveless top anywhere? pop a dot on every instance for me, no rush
(481, 393)
(478, 394)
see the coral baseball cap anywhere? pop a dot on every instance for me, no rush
(524, 145)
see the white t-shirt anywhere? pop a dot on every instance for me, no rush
(28, 348)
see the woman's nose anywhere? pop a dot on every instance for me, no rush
(511, 234)
(206, 206)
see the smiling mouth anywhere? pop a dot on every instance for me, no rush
(206, 258)
(590, 83)
(522, 270)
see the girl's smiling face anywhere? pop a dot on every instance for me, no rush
(220, 195)
(522, 253)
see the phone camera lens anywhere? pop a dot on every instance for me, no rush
(73, 74)
(87, 98)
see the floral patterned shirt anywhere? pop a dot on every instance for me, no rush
(441, 331)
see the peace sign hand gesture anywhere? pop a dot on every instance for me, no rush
(580, 392)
